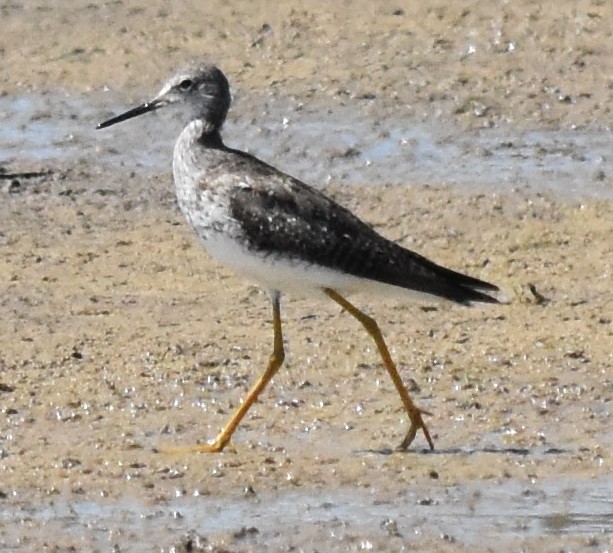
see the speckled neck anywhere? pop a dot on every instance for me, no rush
(198, 151)
(185, 160)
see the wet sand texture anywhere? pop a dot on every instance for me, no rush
(119, 336)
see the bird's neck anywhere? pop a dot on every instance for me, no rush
(201, 134)
(211, 139)
(196, 150)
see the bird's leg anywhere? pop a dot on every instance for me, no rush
(415, 414)
(274, 363)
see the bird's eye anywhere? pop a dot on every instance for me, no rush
(186, 84)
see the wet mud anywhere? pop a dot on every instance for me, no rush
(477, 135)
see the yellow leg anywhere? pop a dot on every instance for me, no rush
(275, 362)
(415, 414)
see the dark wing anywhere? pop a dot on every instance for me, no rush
(281, 215)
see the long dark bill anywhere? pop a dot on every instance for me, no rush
(143, 108)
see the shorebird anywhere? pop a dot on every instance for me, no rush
(285, 235)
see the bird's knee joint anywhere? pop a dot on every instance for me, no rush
(370, 324)
(277, 358)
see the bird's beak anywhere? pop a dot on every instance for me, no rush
(143, 108)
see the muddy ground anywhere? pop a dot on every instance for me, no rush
(119, 337)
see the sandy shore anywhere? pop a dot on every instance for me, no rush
(120, 336)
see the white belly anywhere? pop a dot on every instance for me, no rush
(294, 277)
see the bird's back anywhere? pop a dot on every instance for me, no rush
(275, 216)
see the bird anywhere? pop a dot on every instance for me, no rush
(287, 236)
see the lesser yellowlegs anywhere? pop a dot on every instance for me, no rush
(285, 235)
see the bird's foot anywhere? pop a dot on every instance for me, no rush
(213, 446)
(417, 422)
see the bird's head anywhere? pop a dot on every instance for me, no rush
(201, 91)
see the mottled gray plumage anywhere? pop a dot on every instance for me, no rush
(226, 193)
(296, 221)
(286, 235)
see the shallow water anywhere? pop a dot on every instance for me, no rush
(316, 143)
(477, 512)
